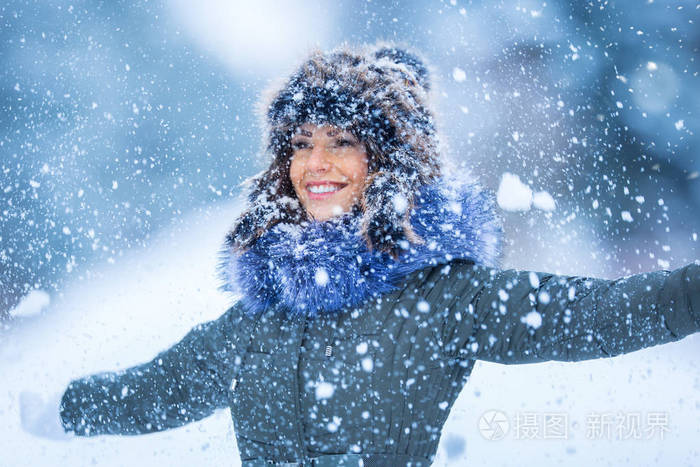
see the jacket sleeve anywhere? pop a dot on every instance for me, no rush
(511, 316)
(182, 384)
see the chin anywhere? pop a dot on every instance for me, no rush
(322, 217)
(327, 212)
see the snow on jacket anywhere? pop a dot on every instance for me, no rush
(337, 349)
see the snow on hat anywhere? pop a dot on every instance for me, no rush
(380, 93)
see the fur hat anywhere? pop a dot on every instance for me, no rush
(380, 94)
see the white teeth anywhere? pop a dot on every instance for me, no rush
(323, 188)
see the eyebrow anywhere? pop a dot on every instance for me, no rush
(331, 133)
(302, 132)
(335, 132)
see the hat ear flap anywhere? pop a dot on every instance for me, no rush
(272, 200)
(387, 203)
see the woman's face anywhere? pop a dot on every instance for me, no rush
(328, 170)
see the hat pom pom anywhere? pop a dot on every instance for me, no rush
(409, 59)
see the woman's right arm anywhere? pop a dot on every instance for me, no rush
(182, 384)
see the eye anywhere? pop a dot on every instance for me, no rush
(345, 142)
(300, 145)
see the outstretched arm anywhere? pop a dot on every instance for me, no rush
(182, 384)
(510, 316)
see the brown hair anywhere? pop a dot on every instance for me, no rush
(380, 96)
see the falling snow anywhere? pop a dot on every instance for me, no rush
(324, 390)
(321, 277)
(544, 201)
(124, 129)
(459, 75)
(533, 319)
(513, 195)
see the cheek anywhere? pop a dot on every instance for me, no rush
(358, 170)
(296, 172)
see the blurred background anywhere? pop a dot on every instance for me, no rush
(127, 127)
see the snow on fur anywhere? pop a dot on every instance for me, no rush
(380, 94)
(322, 267)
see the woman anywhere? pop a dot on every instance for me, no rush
(369, 289)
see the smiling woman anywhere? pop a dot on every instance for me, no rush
(328, 170)
(369, 288)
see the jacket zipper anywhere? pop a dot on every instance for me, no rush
(300, 328)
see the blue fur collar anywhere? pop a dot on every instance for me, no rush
(324, 267)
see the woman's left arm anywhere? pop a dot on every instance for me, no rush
(510, 316)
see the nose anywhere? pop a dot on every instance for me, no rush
(318, 161)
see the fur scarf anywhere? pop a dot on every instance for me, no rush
(323, 267)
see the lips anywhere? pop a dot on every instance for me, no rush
(323, 189)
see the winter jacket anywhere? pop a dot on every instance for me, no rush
(308, 374)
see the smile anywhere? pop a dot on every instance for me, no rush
(324, 188)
